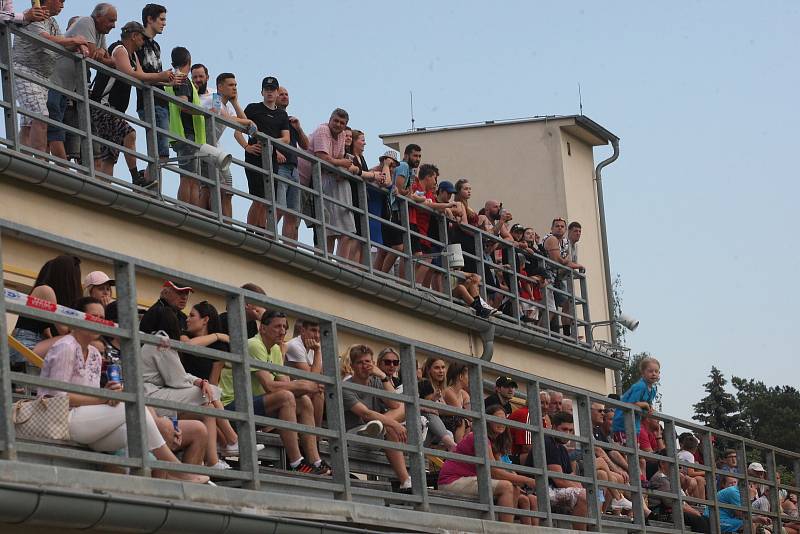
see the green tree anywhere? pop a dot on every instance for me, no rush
(719, 409)
(772, 414)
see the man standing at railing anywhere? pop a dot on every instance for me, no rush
(34, 14)
(33, 59)
(154, 20)
(289, 168)
(68, 74)
(271, 121)
(557, 248)
(187, 126)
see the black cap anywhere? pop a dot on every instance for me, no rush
(518, 228)
(505, 381)
(270, 82)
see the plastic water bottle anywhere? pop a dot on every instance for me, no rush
(114, 371)
(251, 130)
(216, 103)
(174, 420)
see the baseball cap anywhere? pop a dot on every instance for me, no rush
(96, 278)
(173, 285)
(755, 466)
(505, 381)
(132, 27)
(517, 228)
(270, 82)
(391, 154)
(444, 185)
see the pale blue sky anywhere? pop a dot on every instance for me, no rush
(702, 94)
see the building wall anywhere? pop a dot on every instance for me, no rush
(171, 248)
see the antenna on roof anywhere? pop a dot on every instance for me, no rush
(412, 109)
(580, 98)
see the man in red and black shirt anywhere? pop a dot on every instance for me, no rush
(423, 191)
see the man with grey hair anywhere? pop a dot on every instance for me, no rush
(328, 143)
(67, 72)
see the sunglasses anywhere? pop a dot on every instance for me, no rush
(390, 362)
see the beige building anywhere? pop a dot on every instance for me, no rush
(539, 168)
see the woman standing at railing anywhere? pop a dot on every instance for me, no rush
(58, 282)
(95, 422)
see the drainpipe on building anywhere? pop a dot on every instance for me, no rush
(604, 239)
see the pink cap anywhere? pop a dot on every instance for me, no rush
(97, 278)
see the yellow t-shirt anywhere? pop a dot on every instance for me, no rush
(258, 351)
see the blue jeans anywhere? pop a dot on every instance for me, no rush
(162, 121)
(286, 195)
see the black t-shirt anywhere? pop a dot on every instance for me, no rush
(270, 122)
(199, 366)
(495, 399)
(599, 435)
(186, 89)
(294, 140)
(252, 326)
(556, 453)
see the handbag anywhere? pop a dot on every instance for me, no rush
(46, 417)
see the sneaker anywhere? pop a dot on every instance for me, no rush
(221, 465)
(621, 505)
(306, 468)
(373, 429)
(141, 181)
(485, 306)
(233, 450)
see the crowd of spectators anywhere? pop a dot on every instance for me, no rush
(80, 356)
(138, 54)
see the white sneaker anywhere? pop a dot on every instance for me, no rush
(622, 504)
(233, 450)
(373, 429)
(221, 465)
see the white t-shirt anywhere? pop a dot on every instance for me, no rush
(227, 111)
(296, 351)
(685, 456)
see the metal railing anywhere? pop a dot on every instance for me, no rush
(340, 443)
(485, 252)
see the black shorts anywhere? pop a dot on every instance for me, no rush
(392, 236)
(255, 183)
(418, 245)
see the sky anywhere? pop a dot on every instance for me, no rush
(702, 95)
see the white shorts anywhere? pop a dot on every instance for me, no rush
(466, 486)
(30, 96)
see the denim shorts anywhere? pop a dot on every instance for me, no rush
(258, 406)
(56, 109)
(27, 338)
(286, 195)
(162, 121)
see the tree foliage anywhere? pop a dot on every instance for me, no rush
(719, 409)
(770, 414)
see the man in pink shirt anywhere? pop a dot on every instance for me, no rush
(328, 144)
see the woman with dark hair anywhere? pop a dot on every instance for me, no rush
(508, 488)
(456, 394)
(59, 282)
(203, 329)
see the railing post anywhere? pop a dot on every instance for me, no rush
(516, 308)
(366, 257)
(319, 209)
(410, 268)
(481, 264)
(8, 87)
(237, 331)
(584, 406)
(269, 187)
(587, 328)
(334, 409)
(7, 433)
(444, 237)
(634, 473)
(744, 485)
(154, 170)
(481, 436)
(535, 416)
(85, 117)
(709, 456)
(675, 480)
(135, 414)
(416, 460)
(215, 191)
(774, 493)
